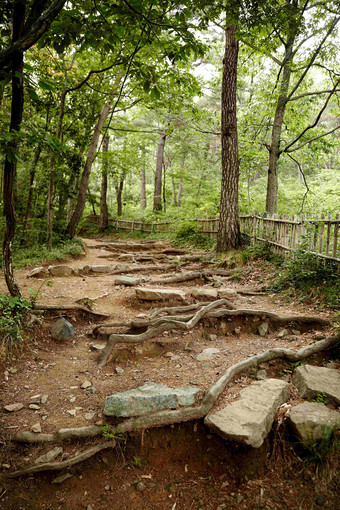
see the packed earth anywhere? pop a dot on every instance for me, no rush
(193, 343)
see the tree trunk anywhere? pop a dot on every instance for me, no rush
(274, 149)
(51, 176)
(157, 200)
(142, 188)
(180, 187)
(30, 190)
(104, 214)
(10, 161)
(229, 228)
(174, 190)
(71, 228)
(119, 197)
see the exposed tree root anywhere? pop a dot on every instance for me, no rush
(158, 326)
(168, 417)
(194, 275)
(140, 269)
(68, 308)
(58, 466)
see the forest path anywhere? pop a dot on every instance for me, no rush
(59, 369)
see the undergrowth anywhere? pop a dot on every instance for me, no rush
(14, 312)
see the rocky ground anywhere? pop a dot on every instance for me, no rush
(57, 383)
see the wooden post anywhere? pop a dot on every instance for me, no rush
(321, 233)
(335, 238)
(328, 238)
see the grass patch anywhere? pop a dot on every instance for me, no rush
(14, 313)
(33, 255)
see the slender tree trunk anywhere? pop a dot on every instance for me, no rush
(10, 160)
(174, 195)
(157, 199)
(104, 214)
(51, 176)
(72, 226)
(119, 197)
(30, 189)
(180, 187)
(142, 188)
(229, 228)
(274, 149)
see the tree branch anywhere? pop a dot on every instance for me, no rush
(316, 93)
(312, 140)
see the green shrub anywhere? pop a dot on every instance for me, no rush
(187, 233)
(259, 251)
(13, 318)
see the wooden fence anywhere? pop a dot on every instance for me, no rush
(318, 236)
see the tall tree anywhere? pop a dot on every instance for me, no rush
(157, 199)
(104, 214)
(228, 230)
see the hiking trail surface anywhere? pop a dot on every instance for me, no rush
(172, 318)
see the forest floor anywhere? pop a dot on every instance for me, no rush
(181, 466)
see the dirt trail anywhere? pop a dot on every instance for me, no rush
(59, 369)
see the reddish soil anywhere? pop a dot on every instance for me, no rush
(180, 467)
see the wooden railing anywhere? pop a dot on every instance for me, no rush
(316, 235)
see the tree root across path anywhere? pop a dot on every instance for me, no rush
(155, 326)
(168, 417)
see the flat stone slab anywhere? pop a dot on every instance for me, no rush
(312, 381)
(102, 269)
(129, 281)
(148, 398)
(202, 293)
(226, 293)
(312, 421)
(249, 419)
(155, 294)
(60, 271)
(38, 272)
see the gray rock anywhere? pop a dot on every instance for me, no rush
(263, 329)
(129, 281)
(34, 407)
(249, 419)
(312, 421)
(60, 271)
(89, 416)
(36, 428)
(119, 370)
(207, 354)
(11, 408)
(38, 272)
(140, 487)
(35, 399)
(102, 269)
(213, 338)
(44, 398)
(283, 332)
(202, 293)
(261, 375)
(60, 479)
(97, 347)
(62, 330)
(49, 456)
(312, 381)
(148, 398)
(86, 384)
(155, 294)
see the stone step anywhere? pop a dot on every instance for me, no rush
(311, 421)
(314, 381)
(159, 294)
(249, 419)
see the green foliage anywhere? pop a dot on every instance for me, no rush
(320, 451)
(320, 397)
(258, 251)
(109, 434)
(312, 275)
(13, 318)
(187, 233)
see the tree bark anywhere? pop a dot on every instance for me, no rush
(119, 197)
(180, 187)
(10, 161)
(72, 226)
(104, 213)
(30, 189)
(157, 200)
(142, 188)
(274, 149)
(229, 228)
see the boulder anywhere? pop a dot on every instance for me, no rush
(60, 271)
(249, 419)
(311, 421)
(207, 354)
(312, 381)
(148, 398)
(263, 329)
(155, 294)
(38, 272)
(62, 330)
(202, 293)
